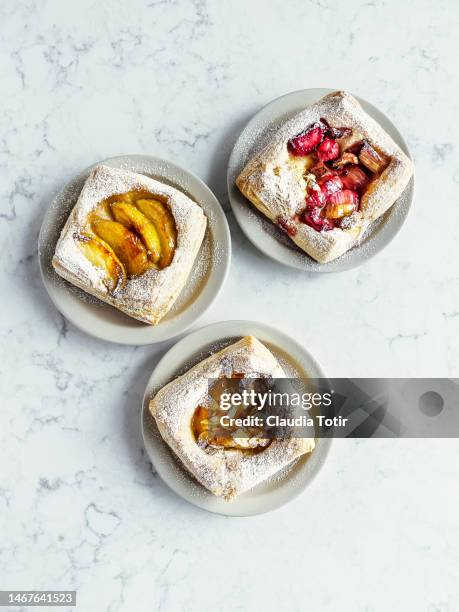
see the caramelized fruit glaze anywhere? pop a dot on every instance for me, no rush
(127, 234)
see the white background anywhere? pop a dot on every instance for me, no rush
(79, 505)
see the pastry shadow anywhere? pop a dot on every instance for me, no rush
(130, 411)
(216, 177)
(28, 267)
(29, 276)
(251, 258)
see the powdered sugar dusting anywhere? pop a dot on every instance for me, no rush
(281, 194)
(198, 277)
(373, 238)
(149, 296)
(224, 472)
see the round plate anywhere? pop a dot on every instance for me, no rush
(189, 351)
(263, 233)
(203, 285)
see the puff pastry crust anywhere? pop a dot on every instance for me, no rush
(273, 182)
(147, 297)
(224, 472)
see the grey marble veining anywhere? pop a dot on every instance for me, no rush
(79, 504)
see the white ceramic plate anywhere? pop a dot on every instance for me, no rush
(281, 488)
(206, 279)
(269, 238)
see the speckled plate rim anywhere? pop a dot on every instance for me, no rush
(273, 243)
(192, 349)
(101, 320)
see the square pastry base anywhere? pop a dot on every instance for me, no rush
(271, 182)
(226, 473)
(150, 296)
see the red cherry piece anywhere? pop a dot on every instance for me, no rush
(314, 199)
(328, 149)
(341, 203)
(330, 183)
(345, 196)
(305, 143)
(314, 220)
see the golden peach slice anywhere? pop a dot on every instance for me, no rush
(127, 246)
(200, 421)
(103, 257)
(164, 222)
(128, 196)
(128, 215)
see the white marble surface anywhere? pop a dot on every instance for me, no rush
(79, 505)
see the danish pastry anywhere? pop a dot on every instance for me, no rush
(131, 241)
(326, 175)
(226, 467)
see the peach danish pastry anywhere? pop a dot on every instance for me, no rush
(131, 241)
